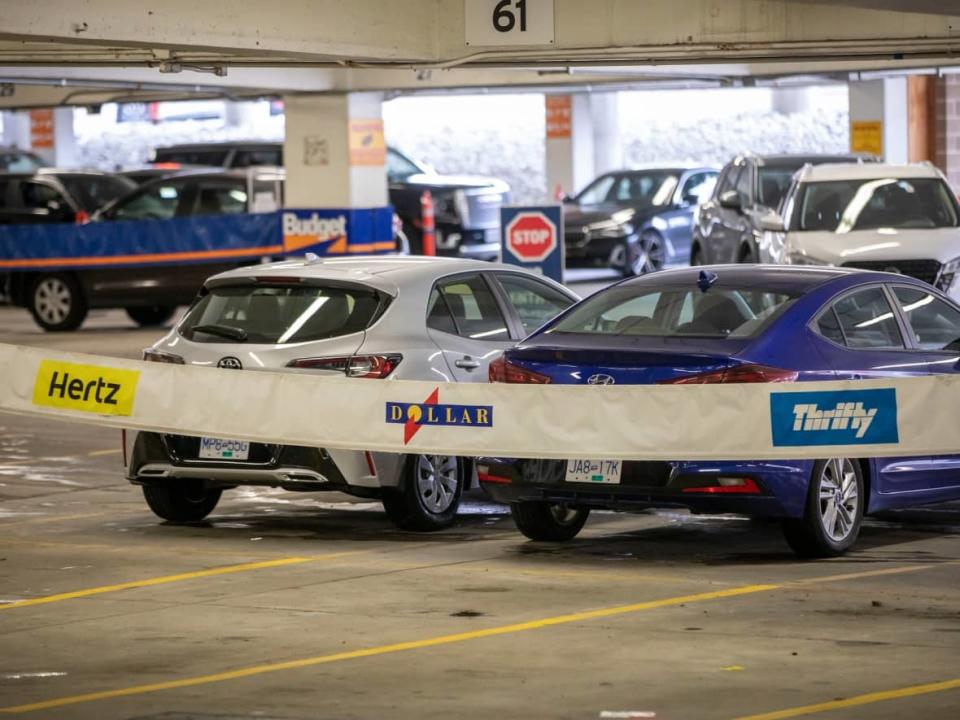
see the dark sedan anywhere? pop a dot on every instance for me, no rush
(49, 195)
(635, 221)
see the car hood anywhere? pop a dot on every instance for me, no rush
(941, 244)
(577, 217)
(464, 182)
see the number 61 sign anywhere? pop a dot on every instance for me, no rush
(508, 22)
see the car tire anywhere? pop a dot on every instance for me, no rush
(696, 256)
(646, 255)
(181, 501)
(151, 315)
(833, 512)
(550, 522)
(57, 302)
(429, 495)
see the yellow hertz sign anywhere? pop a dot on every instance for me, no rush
(87, 388)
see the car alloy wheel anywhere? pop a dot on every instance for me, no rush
(437, 481)
(839, 498)
(647, 255)
(52, 300)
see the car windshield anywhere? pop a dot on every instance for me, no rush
(279, 314)
(94, 191)
(676, 312)
(635, 188)
(774, 183)
(842, 206)
(19, 162)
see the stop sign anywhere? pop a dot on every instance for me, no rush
(531, 237)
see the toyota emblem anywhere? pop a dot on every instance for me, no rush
(230, 363)
(600, 379)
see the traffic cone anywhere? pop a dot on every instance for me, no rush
(429, 229)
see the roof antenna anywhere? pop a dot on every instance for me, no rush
(706, 280)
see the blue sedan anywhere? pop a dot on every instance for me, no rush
(736, 324)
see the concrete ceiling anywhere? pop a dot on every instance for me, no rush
(63, 51)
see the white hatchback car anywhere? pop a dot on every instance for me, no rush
(387, 318)
(894, 218)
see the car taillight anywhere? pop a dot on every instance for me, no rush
(362, 366)
(738, 374)
(504, 372)
(726, 486)
(82, 217)
(152, 355)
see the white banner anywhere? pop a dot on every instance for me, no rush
(902, 416)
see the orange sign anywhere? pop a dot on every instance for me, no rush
(41, 129)
(866, 136)
(367, 146)
(559, 116)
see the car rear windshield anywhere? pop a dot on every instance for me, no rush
(217, 157)
(280, 314)
(677, 312)
(94, 191)
(868, 204)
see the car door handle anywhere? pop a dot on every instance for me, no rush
(467, 363)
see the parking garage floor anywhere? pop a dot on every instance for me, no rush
(300, 606)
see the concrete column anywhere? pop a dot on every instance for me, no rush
(605, 117)
(879, 118)
(16, 129)
(947, 133)
(333, 152)
(237, 114)
(65, 151)
(583, 139)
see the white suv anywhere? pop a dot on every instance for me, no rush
(894, 218)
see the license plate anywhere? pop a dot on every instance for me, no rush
(598, 472)
(217, 449)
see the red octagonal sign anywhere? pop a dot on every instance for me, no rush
(531, 237)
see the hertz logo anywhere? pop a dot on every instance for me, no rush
(87, 388)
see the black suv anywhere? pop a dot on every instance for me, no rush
(726, 228)
(466, 209)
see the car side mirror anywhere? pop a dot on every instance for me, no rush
(772, 222)
(731, 200)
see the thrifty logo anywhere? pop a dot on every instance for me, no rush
(845, 415)
(413, 416)
(840, 417)
(87, 388)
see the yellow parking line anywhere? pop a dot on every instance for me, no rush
(856, 701)
(149, 582)
(108, 451)
(388, 649)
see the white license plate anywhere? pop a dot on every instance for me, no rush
(217, 449)
(598, 472)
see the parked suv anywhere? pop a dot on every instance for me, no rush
(59, 300)
(466, 208)
(635, 221)
(893, 218)
(726, 228)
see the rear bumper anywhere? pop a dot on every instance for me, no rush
(782, 486)
(155, 458)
